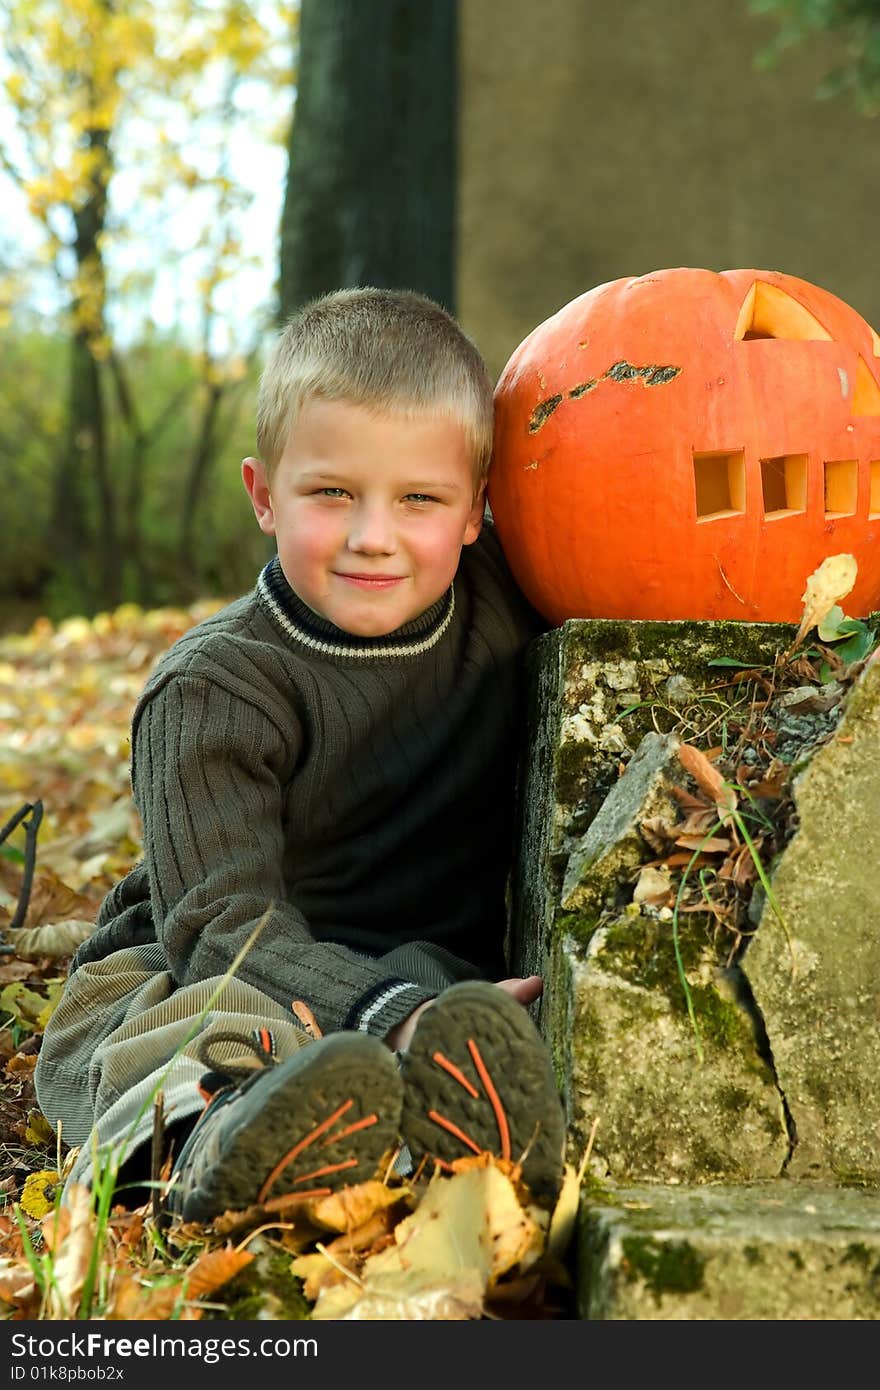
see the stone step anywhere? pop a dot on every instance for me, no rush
(769, 1251)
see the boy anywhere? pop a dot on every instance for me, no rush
(329, 763)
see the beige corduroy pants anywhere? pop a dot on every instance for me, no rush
(122, 1031)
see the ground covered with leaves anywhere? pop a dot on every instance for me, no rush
(464, 1245)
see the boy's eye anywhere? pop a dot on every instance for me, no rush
(333, 492)
(419, 497)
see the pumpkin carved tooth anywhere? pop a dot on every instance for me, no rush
(713, 497)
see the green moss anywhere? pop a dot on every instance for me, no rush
(752, 1255)
(641, 951)
(266, 1283)
(578, 925)
(819, 1088)
(857, 1254)
(732, 1098)
(855, 1177)
(588, 1025)
(720, 1020)
(707, 1159)
(664, 1266)
(687, 645)
(572, 773)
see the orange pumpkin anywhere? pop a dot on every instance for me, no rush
(690, 445)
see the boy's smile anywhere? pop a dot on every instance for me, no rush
(369, 511)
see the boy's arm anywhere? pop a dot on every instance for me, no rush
(206, 775)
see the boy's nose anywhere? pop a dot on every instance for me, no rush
(372, 531)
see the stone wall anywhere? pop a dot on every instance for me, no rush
(599, 139)
(771, 1069)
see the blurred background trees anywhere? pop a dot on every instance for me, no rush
(122, 118)
(177, 175)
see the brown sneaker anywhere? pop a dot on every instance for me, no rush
(477, 1077)
(323, 1118)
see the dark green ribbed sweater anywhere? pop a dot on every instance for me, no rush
(362, 787)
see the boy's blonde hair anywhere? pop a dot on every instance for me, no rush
(388, 350)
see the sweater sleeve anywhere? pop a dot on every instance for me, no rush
(207, 771)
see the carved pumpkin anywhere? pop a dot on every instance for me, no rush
(690, 445)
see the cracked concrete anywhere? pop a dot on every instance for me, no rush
(772, 1076)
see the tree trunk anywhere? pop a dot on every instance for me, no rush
(370, 196)
(84, 539)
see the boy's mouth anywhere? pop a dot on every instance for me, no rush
(370, 581)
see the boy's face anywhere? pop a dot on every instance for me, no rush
(369, 512)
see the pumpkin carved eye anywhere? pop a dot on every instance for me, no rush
(690, 445)
(768, 312)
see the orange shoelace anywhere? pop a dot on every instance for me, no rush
(491, 1093)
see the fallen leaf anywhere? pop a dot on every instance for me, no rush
(350, 1207)
(213, 1268)
(829, 583)
(39, 1193)
(52, 900)
(54, 940)
(708, 779)
(657, 832)
(17, 1286)
(654, 886)
(707, 844)
(404, 1297)
(467, 1231)
(564, 1217)
(72, 1254)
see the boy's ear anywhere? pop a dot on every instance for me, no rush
(475, 517)
(253, 475)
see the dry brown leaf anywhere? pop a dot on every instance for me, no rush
(318, 1273)
(686, 800)
(657, 832)
(713, 845)
(53, 900)
(17, 1287)
(72, 1253)
(131, 1301)
(708, 779)
(653, 887)
(406, 1297)
(54, 940)
(213, 1268)
(825, 587)
(350, 1207)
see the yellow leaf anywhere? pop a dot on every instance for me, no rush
(38, 1193)
(825, 587)
(352, 1206)
(467, 1231)
(38, 1130)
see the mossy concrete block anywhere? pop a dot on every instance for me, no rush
(612, 848)
(626, 1054)
(823, 1021)
(596, 686)
(766, 1251)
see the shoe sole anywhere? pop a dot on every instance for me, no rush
(311, 1119)
(478, 1077)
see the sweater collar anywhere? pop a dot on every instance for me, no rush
(319, 635)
